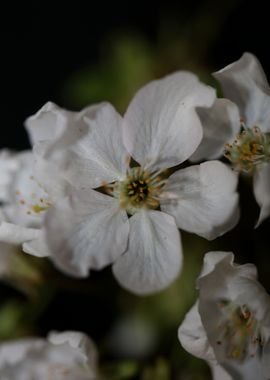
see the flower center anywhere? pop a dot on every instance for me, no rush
(240, 331)
(140, 189)
(250, 148)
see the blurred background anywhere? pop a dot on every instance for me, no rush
(79, 52)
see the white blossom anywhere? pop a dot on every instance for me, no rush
(133, 222)
(239, 126)
(229, 326)
(30, 183)
(63, 356)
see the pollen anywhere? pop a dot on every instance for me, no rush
(250, 148)
(240, 332)
(140, 189)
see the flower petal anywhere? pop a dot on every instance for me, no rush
(57, 125)
(237, 286)
(212, 259)
(14, 234)
(193, 338)
(70, 355)
(13, 352)
(86, 230)
(244, 83)
(219, 373)
(261, 186)
(99, 156)
(47, 175)
(154, 256)
(37, 247)
(220, 124)
(266, 360)
(203, 199)
(47, 124)
(161, 127)
(79, 342)
(8, 167)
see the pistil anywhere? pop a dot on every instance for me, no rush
(140, 189)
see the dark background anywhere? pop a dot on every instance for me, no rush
(44, 42)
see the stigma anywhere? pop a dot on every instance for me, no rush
(140, 189)
(250, 148)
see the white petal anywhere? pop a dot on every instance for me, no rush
(13, 352)
(47, 124)
(244, 83)
(14, 234)
(203, 199)
(266, 360)
(212, 259)
(86, 230)
(219, 373)
(47, 175)
(154, 256)
(261, 186)
(99, 156)
(8, 167)
(220, 124)
(37, 247)
(161, 127)
(193, 338)
(57, 125)
(70, 355)
(25, 193)
(78, 341)
(236, 284)
(248, 370)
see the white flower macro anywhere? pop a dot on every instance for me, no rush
(63, 356)
(133, 222)
(229, 325)
(239, 126)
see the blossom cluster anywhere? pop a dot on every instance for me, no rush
(99, 189)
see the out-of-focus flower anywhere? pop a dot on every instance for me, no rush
(27, 202)
(29, 183)
(63, 356)
(229, 326)
(161, 129)
(241, 130)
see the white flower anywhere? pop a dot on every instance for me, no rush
(243, 126)
(63, 356)
(29, 183)
(229, 326)
(91, 229)
(24, 208)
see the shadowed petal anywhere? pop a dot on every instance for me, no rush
(154, 256)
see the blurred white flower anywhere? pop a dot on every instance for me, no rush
(241, 130)
(229, 325)
(29, 183)
(27, 202)
(63, 356)
(161, 129)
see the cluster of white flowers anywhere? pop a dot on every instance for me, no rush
(68, 355)
(98, 189)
